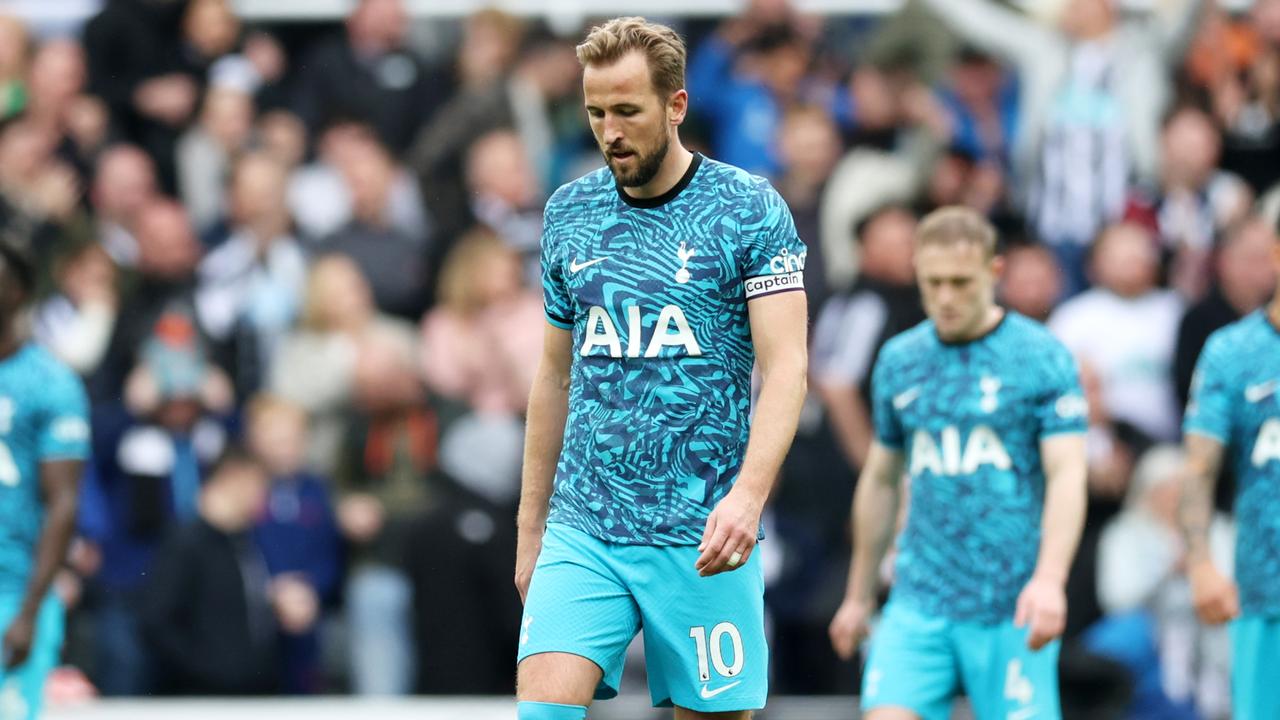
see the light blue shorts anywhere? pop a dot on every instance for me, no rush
(22, 691)
(704, 641)
(1255, 651)
(921, 663)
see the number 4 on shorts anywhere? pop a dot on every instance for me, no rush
(1016, 685)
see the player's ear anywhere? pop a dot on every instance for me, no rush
(677, 106)
(997, 267)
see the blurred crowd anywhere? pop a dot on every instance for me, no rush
(319, 242)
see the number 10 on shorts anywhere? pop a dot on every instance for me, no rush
(713, 648)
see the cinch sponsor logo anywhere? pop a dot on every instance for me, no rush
(671, 329)
(785, 262)
(765, 284)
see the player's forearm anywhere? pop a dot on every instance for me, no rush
(1195, 508)
(51, 549)
(1062, 521)
(544, 437)
(782, 390)
(875, 509)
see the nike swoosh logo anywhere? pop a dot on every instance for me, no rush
(1260, 392)
(708, 693)
(575, 266)
(1023, 713)
(900, 402)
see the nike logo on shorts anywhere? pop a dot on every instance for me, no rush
(707, 693)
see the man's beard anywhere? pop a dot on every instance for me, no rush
(646, 166)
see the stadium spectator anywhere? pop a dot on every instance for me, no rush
(75, 322)
(393, 261)
(314, 366)
(368, 74)
(506, 195)
(1126, 327)
(545, 74)
(149, 461)
(1246, 98)
(250, 286)
(39, 195)
(853, 325)
(207, 613)
(1195, 202)
(1141, 560)
(809, 146)
(1032, 283)
(58, 104)
(321, 198)
(385, 485)
(479, 344)
(164, 282)
(981, 103)
(206, 152)
(298, 536)
(124, 182)
(1244, 280)
(1093, 89)
(14, 54)
(743, 79)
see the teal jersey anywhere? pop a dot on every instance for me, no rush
(43, 417)
(655, 293)
(1235, 399)
(969, 419)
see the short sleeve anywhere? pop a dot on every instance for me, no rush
(1209, 407)
(64, 424)
(1061, 407)
(884, 415)
(774, 256)
(556, 300)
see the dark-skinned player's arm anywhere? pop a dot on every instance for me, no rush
(875, 515)
(59, 489)
(779, 325)
(544, 437)
(1042, 604)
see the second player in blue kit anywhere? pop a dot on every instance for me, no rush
(667, 277)
(981, 408)
(44, 440)
(1233, 417)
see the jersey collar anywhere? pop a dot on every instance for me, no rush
(668, 196)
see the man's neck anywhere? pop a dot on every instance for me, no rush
(1273, 310)
(673, 167)
(9, 341)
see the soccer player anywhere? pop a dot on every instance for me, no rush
(44, 439)
(1234, 412)
(666, 276)
(982, 407)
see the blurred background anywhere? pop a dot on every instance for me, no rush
(313, 227)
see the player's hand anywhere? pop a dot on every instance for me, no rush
(17, 640)
(730, 535)
(1214, 596)
(528, 547)
(849, 627)
(1042, 605)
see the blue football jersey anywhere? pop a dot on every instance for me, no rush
(655, 293)
(43, 417)
(1235, 399)
(969, 419)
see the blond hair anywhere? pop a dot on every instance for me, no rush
(956, 224)
(466, 263)
(663, 49)
(265, 405)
